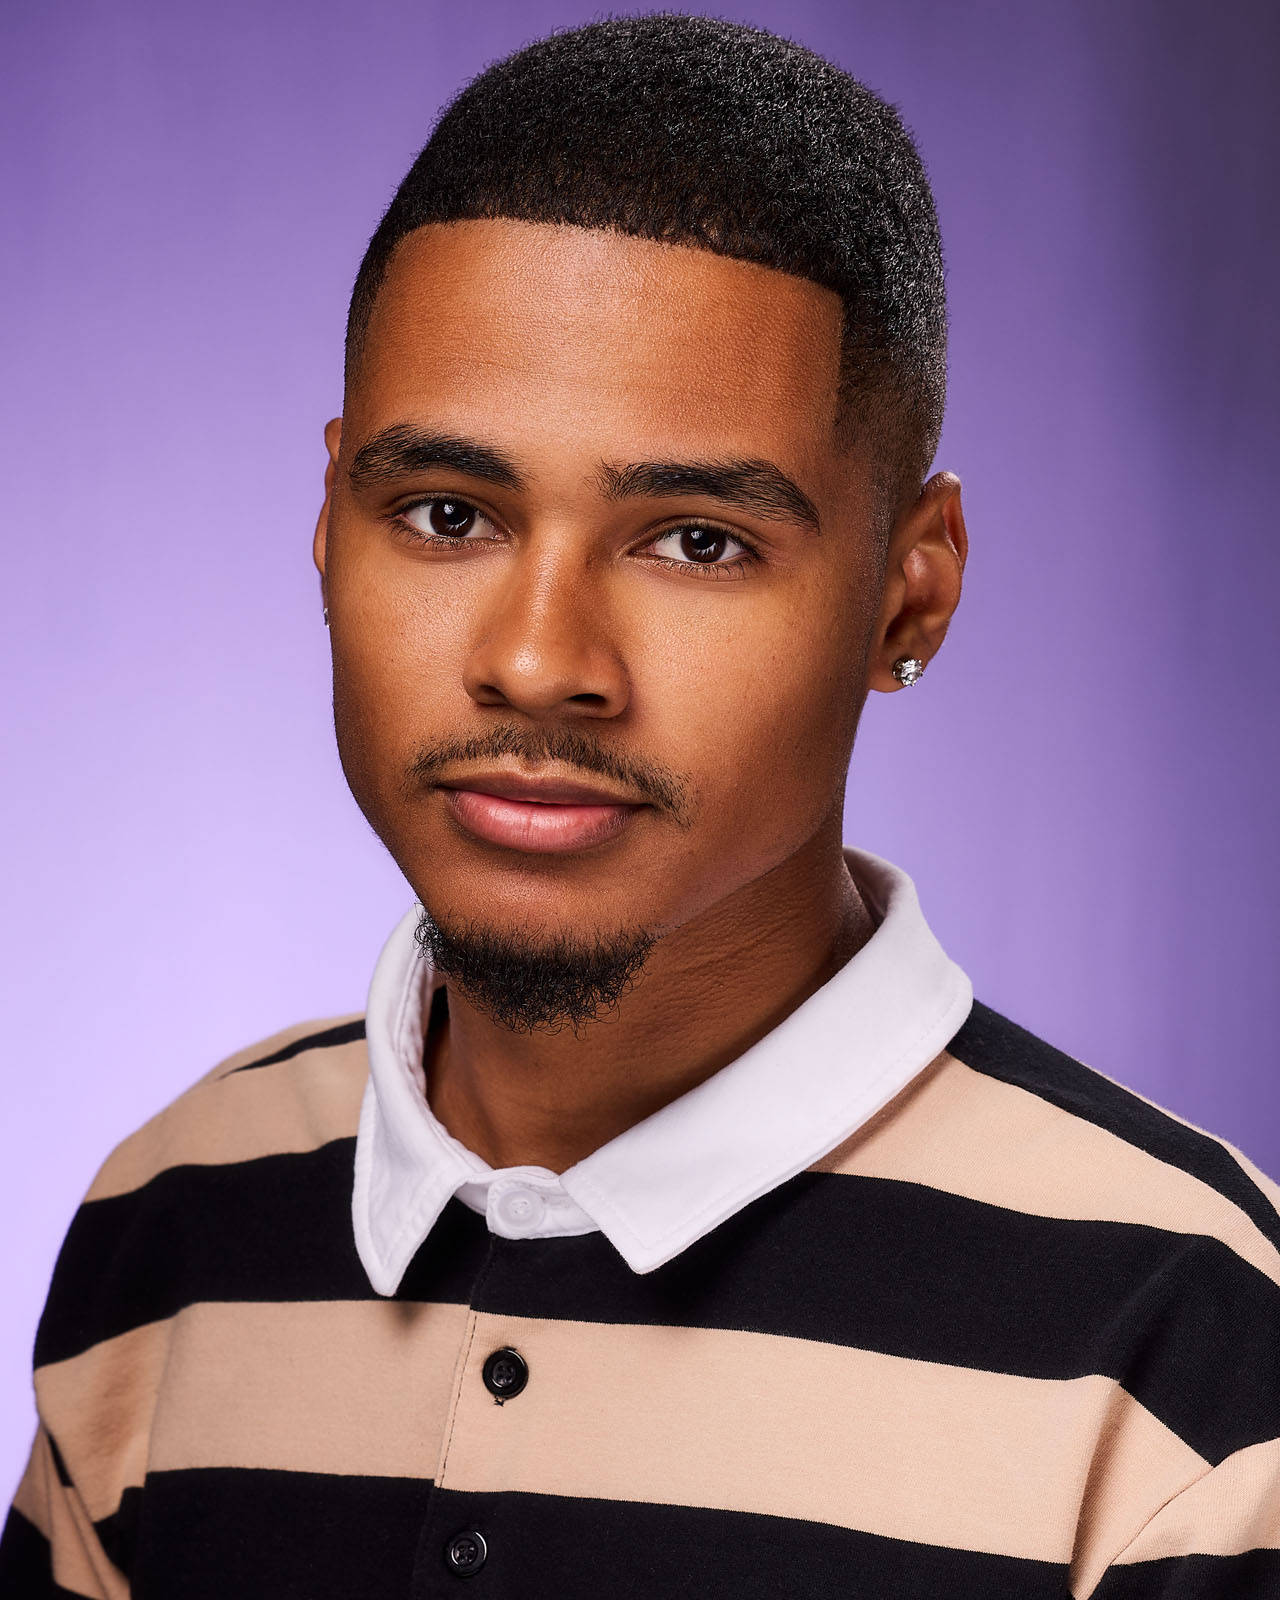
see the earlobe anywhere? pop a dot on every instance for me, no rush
(333, 441)
(319, 541)
(927, 553)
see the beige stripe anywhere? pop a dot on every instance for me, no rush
(794, 1428)
(965, 1133)
(79, 1563)
(355, 1387)
(98, 1407)
(294, 1106)
(325, 1386)
(1233, 1509)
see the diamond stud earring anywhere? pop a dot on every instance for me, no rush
(907, 670)
(326, 616)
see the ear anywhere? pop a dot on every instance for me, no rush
(332, 440)
(927, 552)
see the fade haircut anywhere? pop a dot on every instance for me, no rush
(694, 131)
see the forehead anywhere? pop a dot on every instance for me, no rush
(593, 340)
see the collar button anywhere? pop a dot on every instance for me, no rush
(519, 1210)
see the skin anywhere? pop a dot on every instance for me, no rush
(566, 348)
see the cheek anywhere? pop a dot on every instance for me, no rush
(762, 707)
(396, 680)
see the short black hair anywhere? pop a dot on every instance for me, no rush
(696, 131)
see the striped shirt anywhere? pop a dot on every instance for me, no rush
(903, 1303)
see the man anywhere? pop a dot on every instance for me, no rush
(674, 1222)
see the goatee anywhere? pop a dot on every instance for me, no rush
(544, 984)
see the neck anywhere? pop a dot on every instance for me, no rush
(709, 990)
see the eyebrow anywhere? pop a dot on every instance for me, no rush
(402, 450)
(757, 486)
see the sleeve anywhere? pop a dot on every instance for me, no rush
(49, 1550)
(1219, 1539)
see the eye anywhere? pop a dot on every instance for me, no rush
(696, 545)
(442, 518)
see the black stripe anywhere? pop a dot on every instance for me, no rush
(325, 1039)
(1253, 1576)
(548, 1547)
(26, 1564)
(271, 1534)
(274, 1229)
(991, 1044)
(215, 1534)
(1187, 1327)
(118, 1533)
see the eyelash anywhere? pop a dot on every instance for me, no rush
(736, 568)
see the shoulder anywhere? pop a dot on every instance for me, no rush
(1006, 1119)
(1083, 1231)
(209, 1201)
(290, 1092)
(1137, 1160)
(221, 1195)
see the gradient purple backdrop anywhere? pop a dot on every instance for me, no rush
(1083, 787)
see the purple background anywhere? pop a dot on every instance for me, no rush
(1082, 787)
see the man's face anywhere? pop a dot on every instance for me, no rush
(570, 534)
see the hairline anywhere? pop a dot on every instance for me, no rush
(888, 477)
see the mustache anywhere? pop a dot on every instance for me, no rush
(571, 748)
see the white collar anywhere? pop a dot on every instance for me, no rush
(669, 1180)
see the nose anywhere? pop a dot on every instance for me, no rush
(546, 645)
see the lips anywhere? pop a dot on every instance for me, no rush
(542, 790)
(538, 815)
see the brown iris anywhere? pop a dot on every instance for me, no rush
(450, 517)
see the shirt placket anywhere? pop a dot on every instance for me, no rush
(488, 1439)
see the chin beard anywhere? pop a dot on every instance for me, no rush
(528, 985)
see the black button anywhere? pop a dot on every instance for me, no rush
(466, 1553)
(505, 1374)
